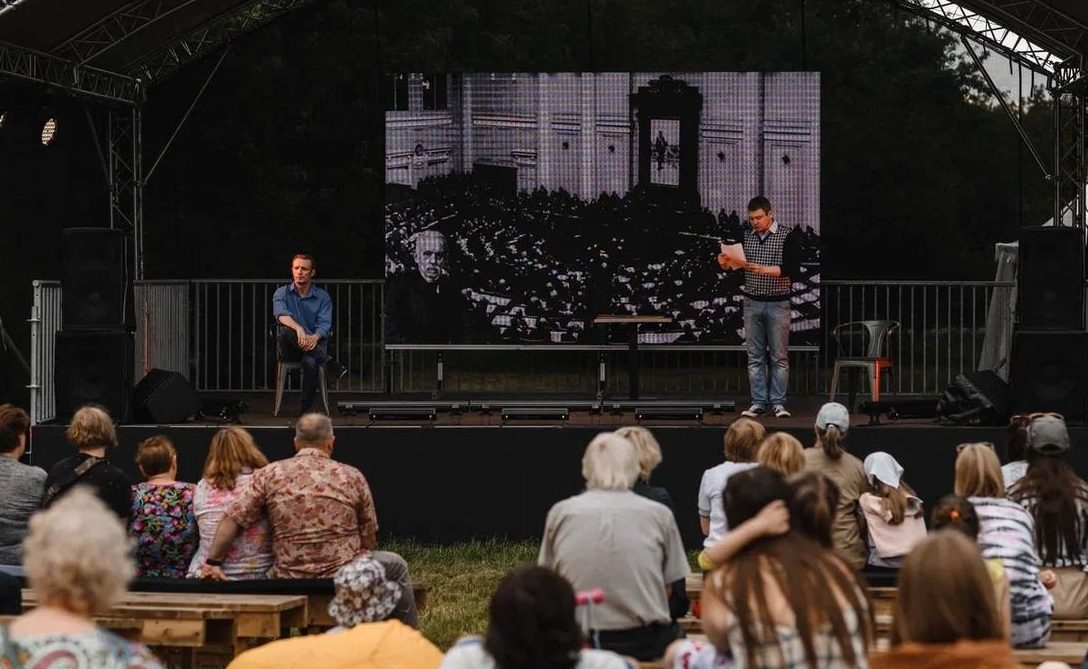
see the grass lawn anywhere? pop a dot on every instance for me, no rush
(462, 578)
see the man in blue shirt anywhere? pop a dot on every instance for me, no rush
(304, 313)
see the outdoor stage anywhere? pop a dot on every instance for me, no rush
(475, 475)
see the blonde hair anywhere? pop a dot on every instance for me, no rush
(610, 463)
(313, 429)
(232, 450)
(782, 453)
(978, 472)
(742, 438)
(77, 555)
(91, 427)
(945, 593)
(649, 451)
(156, 455)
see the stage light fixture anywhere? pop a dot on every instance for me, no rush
(3, 117)
(49, 131)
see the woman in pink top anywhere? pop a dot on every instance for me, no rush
(232, 459)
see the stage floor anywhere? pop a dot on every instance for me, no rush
(258, 411)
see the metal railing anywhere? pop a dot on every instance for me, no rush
(232, 341)
(217, 332)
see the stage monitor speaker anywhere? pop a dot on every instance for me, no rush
(1050, 372)
(1051, 272)
(975, 398)
(165, 397)
(94, 367)
(96, 295)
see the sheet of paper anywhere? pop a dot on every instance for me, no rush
(734, 255)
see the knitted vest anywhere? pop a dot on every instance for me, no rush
(767, 251)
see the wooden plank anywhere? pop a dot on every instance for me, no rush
(1070, 652)
(1069, 630)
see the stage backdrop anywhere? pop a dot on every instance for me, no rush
(520, 206)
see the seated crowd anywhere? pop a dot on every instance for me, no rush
(791, 534)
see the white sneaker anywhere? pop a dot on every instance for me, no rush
(753, 411)
(780, 411)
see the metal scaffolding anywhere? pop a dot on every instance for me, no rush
(1069, 88)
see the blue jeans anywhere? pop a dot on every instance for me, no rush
(287, 346)
(767, 335)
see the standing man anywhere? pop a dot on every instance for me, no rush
(773, 256)
(304, 313)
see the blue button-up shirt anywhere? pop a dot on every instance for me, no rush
(313, 312)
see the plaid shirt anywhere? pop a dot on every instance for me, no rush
(321, 511)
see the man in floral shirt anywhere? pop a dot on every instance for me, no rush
(321, 512)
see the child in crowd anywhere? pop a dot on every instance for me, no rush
(893, 513)
(782, 453)
(742, 438)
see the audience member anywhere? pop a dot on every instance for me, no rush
(21, 485)
(830, 458)
(945, 614)
(77, 561)
(783, 600)
(814, 500)
(741, 440)
(232, 458)
(363, 601)
(1006, 531)
(810, 511)
(162, 520)
(893, 514)
(957, 513)
(531, 625)
(322, 516)
(1016, 449)
(610, 538)
(92, 433)
(782, 453)
(649, 457)
(1057, 499)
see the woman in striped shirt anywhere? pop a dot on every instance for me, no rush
(1006, 531)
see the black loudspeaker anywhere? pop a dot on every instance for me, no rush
(96, 294)
(94, 367)
(1051, 273)
(1050, 372)
(165, 397)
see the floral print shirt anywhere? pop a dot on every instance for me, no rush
(250, 554)
(321, 511)
(163, 524)
(98, 650)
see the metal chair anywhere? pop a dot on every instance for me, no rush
(876, 362)
(285, 367)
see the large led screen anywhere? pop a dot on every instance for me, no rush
(519, 207)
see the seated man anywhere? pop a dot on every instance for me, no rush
(322, 516)
(304, 313)
(21, 486)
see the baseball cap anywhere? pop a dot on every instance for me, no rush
(835, 414)
(1047, 435)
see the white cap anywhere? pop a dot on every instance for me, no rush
(835, 414)
(880, 466)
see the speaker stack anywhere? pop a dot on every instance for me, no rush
(95, 348)
(1050, 346)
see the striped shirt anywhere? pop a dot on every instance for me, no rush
(1007, 532)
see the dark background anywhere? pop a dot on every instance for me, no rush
(501, 481)
(285, 152)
